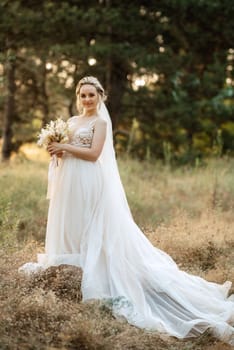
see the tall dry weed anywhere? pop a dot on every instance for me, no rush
(186, 212)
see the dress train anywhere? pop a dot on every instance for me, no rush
(88, 228)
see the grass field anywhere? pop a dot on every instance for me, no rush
(187, 212)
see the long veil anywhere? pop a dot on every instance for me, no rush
(109, 164)
(141, 282)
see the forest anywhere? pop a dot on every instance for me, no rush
(167, 67)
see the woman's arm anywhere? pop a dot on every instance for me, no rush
(90, 154)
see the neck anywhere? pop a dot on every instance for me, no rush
(89, 113)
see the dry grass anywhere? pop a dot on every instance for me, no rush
(187, 213)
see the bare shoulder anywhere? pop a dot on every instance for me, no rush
(100, 122)
(74, 117)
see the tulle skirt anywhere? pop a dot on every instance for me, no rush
(87, 228)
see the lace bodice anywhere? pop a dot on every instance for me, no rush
(81, 136)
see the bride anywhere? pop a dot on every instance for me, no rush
(90, 225)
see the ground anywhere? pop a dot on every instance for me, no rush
(187, 213)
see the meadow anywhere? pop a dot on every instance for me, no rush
(188, 212)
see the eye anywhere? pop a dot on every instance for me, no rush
(82, 95)
(91, 95)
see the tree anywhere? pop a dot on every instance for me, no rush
(164, 65)
(10, 111)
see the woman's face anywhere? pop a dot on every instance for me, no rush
(88, 98)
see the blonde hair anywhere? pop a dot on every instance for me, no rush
(89, 80)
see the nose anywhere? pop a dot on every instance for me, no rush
(87, 99)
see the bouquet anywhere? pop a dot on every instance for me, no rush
(55, 131)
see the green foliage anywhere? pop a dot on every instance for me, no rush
(23, 203)
(182, 49)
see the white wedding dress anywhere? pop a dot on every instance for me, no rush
(90, 226)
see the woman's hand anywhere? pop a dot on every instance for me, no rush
(59, 155)
(55, 148)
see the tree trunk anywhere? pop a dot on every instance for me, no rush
(9, 115)
(116, 84)
(115, 77)
(45, 98)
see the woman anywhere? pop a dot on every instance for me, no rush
(90, 226)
